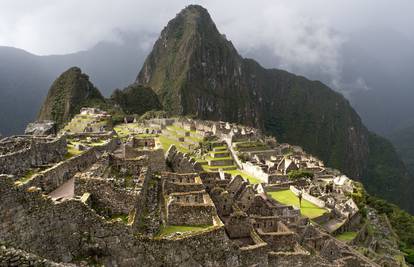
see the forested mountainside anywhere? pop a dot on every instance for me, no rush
(196, 71)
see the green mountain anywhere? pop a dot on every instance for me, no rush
(71, 91)
(403, 140)
(136, 99)
(196, 71)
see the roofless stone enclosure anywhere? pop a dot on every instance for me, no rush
(20, 153)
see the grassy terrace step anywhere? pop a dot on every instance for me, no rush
(217, 168)
(219, 154)
(167, 230)
(346, 236)
(192, 139)
(250, 178)
(166, 143)
(220, 162)
(220, 148)
(218, 144)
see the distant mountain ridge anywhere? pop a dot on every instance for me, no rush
(25, 78)
(196, 71)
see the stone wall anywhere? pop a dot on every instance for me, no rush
(50, 179)
(32, 223)
(106, 197)
(41, 151)
(180, 162)
(19, 258)
(306, 196)
(255, 171)
(190, 214)
(156, 160)
(148, 215)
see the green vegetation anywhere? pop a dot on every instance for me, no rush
(289, 198)
(72, 151)
(167, 230)
(120, 217)
(386, 170)
(297, 174)
(71, 91)
(29, 174)
(153, 114)
(401, 221)
(250, 145)
(166, 143)
(347, 236)
(403, 140)
(250, 178)
(136, 99)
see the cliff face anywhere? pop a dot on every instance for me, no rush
(196, 70)
(68, 93)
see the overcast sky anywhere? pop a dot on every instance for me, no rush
(297, 32)
(50, 26)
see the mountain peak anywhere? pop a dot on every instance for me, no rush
(190, 41)
(195, 70)
(68, 93)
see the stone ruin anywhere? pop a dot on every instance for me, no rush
(110, 203)
(18, 154)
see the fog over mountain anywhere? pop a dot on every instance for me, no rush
(365, 55)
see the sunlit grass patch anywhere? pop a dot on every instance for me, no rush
(307, 209)
(167, 230)
(347, 236)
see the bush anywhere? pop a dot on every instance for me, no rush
(294, 175)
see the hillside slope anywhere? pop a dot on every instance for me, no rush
(136, 99)
(403, 140)
(68, 93)
(195, 70)
(25, 78)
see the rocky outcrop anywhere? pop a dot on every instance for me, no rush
(195, 70)
(71, 91)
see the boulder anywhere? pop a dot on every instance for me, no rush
(41, 128)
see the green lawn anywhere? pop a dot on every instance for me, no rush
(72, 151)
(251, 179)
(346, 236)
(167, 230)
(166, 143)
(287, 197)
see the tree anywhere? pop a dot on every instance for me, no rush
(297, 174)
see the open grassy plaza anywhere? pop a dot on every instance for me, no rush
(289, 198)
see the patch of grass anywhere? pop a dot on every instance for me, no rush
(166, 143)
(218, 159)
(72, 151)
(167, 230)
(250, 178)
(120, 217)
(307, 209)
(29, 174)
(346, 236)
